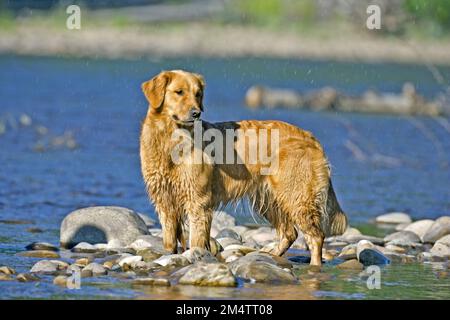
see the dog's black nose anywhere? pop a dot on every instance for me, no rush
(195, 113)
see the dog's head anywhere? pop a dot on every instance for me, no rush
(176, 94)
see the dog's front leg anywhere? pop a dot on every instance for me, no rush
(200, 228)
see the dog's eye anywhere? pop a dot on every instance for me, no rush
(198, 94)
(179, 92)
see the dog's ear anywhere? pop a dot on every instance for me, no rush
(155, 89)
(202, 83)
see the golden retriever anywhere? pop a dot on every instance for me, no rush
(296, 195)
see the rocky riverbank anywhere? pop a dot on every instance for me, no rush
(212, 40)
(120, 243)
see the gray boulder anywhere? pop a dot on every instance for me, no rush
(101, 225)
(260, 271)
(437, 230)
(209, 274)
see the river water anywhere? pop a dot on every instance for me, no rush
(403, 164)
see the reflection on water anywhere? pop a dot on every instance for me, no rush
(90, 112)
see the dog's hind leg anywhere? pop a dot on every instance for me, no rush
(315, 243)
(169, 225)
(287, 235)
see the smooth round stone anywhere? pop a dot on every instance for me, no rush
(352, 232)
(82, 262)
(7, 270)
(232, 258)
(348, 252)
(173, 260)
(96, 268)
(40, 254)
(352, 264)
(222, 220)
(228, 253)
(225, 242)
(60, 281)
(442, 247)
(372, 256)
(151, 281)
(394, 248)
(363, 244)
(259, 271)
(129, 260)
(438, 229)
(243, 249)
(239, 229)
(41, 246)
(100, 225)
(420, 227)
(6, 277)
(263, 257)
(199, 254)
(27, 277)
(209, 274)
(149, 254)
(394, 218)
(228, 233)
(84, 247)
(401, 226)
(147, 241)
(402, 237)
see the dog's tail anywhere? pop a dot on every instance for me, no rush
(333, 219)
(337, 220)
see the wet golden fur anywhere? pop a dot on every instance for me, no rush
(299, 195)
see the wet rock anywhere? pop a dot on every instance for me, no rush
(86, 273)
(209, 274)
(442, 247)
(82, 262)
(420, 227)
(262, 257)
(84, 247)
(438, 229)
(394, 218)
(430, 257)
(224, 255)
(60, 281)
(148, 241)
(129, 260)
(367, 254)
(242, 248)
(35, 230)
(149, 254)
(260, 271)
(40, 254)
(228, 233)
(45, 267)
(402, 238)
(6, 277)
(7, 270)
(151, 281)
(100, 225)
(41, 246)
(358, 238)
(172, 260)
(395, 249)
(239, 229)
(352, 264)
(222, 220)
(348, 252)
(225, 242)
(198, 254)
(400, 258)
(27, 277)
(96, 269)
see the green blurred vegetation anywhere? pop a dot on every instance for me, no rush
(402, 18)
(430, 16)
